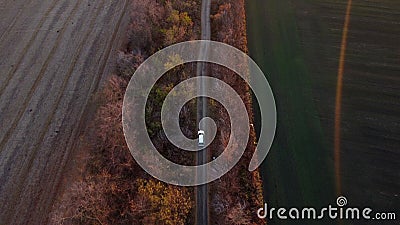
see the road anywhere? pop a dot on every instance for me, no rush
(54, 54)
(202, 210)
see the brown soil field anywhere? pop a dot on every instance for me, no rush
(54, 54)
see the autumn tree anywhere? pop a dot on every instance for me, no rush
(169, 205)
(178, 26)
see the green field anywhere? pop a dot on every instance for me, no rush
(297, 45)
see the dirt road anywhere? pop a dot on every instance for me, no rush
(53, 54)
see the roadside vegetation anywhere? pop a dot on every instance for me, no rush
(237, 195)
(113, 189)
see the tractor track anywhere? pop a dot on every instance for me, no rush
(32, 181)
(27, 166)
(12, 24)
(38, 79)
(27, 46)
